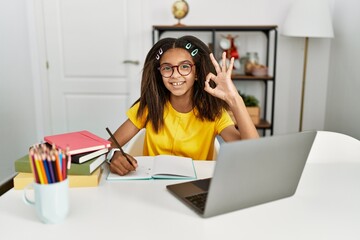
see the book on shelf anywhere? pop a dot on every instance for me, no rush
(86, 168)
(86, 156)
(77, 142)
(159, 167)
(22, 179)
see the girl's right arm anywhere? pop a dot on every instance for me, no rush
(119, 164)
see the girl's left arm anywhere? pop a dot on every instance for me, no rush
(226, 90)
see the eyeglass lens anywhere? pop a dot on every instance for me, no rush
(183, 69)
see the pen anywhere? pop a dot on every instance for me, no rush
(118, 145)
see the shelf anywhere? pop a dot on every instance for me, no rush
(252, 78)
(263, 124)
(214, 28)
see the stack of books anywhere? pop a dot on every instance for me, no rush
(87, 152)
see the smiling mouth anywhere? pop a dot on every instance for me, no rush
(177, 83)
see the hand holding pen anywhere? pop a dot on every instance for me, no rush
(122, 163)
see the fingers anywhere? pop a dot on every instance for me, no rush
(231, 66)
(120, 165)
(222, 78)
(208, 88)
(219, 69)
(209, 77)
(227, 69)
(215, 63)
(213, 91)
(223, 67)
(118, 169)
(133, 161)
(223, 62)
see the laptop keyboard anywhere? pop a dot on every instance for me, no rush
(203, 183)
(198, 200)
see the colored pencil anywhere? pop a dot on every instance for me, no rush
(58, 167)
(48, 165)
(53, 162)
(32, 165)
(38, 169)
(51, 170)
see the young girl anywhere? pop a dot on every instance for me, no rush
(183, 103)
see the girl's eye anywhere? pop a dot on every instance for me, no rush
(185, 66)
(166, 68)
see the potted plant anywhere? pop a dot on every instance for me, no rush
(252, 106)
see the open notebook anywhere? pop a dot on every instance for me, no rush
(159, 167)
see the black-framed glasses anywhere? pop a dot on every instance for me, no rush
(183, 69)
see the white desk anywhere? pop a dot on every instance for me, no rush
(325, 206)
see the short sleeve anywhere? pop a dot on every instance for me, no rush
(132, 115)
(223, 122)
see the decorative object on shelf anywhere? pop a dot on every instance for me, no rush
(227, 43)
(259, 70)
(243, 61)
(254, 113)
(308, 18)
(252, 59)
(252, 66)
(252, 106)
(249, 100)
(180, 9)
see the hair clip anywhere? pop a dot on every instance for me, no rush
(194, 52)
(160, 52)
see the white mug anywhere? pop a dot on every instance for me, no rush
(51, 200)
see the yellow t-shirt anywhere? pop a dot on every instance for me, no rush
(182, 135)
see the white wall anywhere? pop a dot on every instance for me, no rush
(19, 101)
(342, 109)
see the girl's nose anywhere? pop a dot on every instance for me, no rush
(176, 72)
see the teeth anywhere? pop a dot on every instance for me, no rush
(177, 83)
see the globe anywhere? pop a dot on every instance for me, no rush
(180, 9)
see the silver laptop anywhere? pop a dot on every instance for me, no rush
(249, 173)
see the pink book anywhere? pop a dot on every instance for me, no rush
(78, 142)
